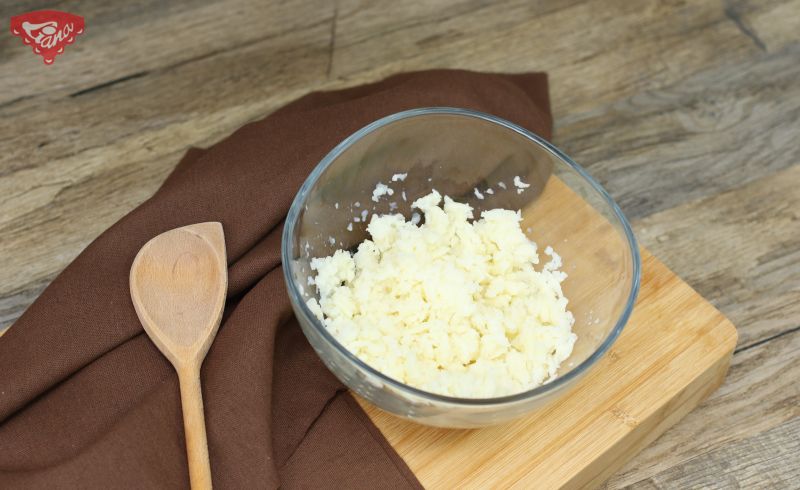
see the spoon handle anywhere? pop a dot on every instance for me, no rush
(194, 426)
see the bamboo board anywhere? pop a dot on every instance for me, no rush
(673, 353)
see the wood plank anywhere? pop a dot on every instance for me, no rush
(764, 289)
(760, 393)
(144, 38)
(663, 42)
(740, 250)
(756, 462)
(248, 83)
(713, 131)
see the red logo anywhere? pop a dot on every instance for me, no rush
(47, 31)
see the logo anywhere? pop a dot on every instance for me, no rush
(47, 31)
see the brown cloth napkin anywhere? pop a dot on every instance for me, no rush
(86, 400)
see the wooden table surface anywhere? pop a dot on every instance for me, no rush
(688, 113)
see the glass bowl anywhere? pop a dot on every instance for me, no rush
(456, 151)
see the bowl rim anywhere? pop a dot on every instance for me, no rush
(550, 386)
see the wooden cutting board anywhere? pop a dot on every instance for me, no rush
(673, 353)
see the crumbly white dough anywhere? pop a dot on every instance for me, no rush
(452, 306)
(519, 183)
(381, 190)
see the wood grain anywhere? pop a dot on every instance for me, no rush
(765, 376)
(750, 234)
(755, 462)
(716, 130)
(682, 109)
(761, 288)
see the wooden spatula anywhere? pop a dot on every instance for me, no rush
(178, 284)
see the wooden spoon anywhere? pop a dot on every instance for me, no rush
(178, 284)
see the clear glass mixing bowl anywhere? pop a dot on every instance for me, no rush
(456, 151)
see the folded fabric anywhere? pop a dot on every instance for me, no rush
(86, 400)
